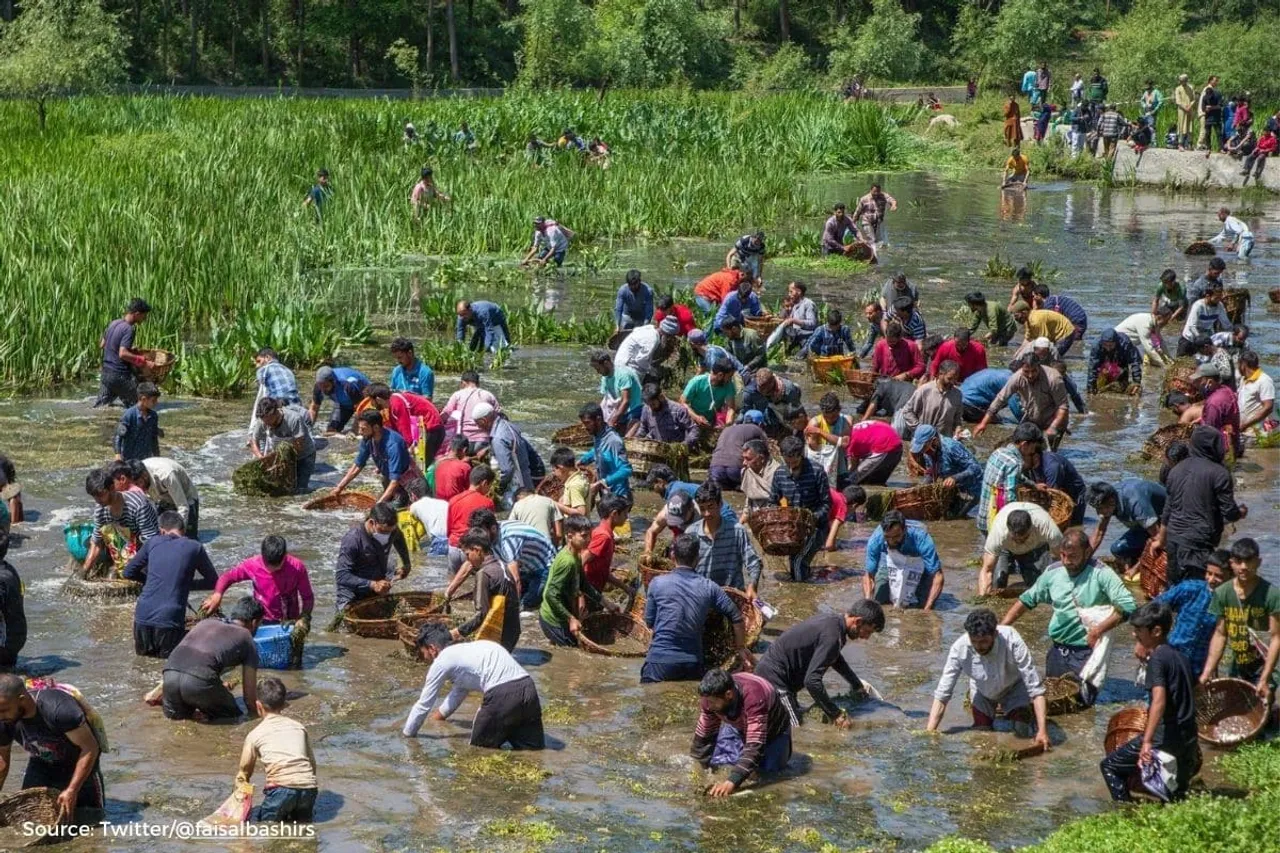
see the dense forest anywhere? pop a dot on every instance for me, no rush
(753, 44)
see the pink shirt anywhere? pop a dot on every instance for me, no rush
(456, 413)
(404, 412)
(869, 438)
(284, 595)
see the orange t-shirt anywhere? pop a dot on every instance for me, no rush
(715, 287)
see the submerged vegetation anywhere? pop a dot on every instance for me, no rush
(195, 204)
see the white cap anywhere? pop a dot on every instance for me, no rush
(1041, 343)
(482, 410)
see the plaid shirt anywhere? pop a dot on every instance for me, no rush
(999, 482)
(809, 489)
(1194, 626)
(956, 461)
(729, 559)
(279, 383)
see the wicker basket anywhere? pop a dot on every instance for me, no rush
(1236, 300)
(574, 435)
(1229, 712)
(376, 617)
(1180, 376)
(644, 453)
(1201, 247)
(718, 647)
(407, 628)
(861, 383)
(619, 635)
(359, 501)
(924, 503)
(1153, 572)
(274, 475)
(782, 530)
(30, 805)
(1057, 503)
(1161, 439)
(651, 566)
(550, 486)
(832, 369)
(616, 339)
(1274, 295)
(914, 467)
(1062, 693)
(765, 324)
(163, 362)
(99, 589)
(1124, 726)
(860, 251)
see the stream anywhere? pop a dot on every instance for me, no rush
(618, 778)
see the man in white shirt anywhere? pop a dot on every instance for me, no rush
(1235, 231)
(1143, 331)
(1206, 316)
(1000, 672)
(510, 713)
(433, 513)
(1257, 398)
(1023, 538)
(647, 347)
(169, 486)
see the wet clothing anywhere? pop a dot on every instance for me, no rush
(167, 565)
(519, 465)
(891, 396)
(811, 490)
(762, 723)
(736, 306)
(834, 232)
(459, 514)
(279, 383)
(633, 308)
(669, 424)
(348, 391)
(609, 455)
(294, 426)
(954, 461)
(363, 559)
(489, 324)
(979, 390)
(172, 489)
(284, 594)
(825, 342)
(1005, 671)
(774, 409)
(1139, 505)
(494, 583)
(929, 404)
(1200, 503)
(394, 461)
(1193, 624)
(1221, 411)
(1095, 584)
(13, 615)
(676, 608)
(910, 568)
(1122, 365)
(1001, 327)
(193, 672)
(283, 748)
(801, 656)
(565, 582)
(1057, 472)
(728, 559)
(119, 381)
(417, 379)
(137, 516)
(531, 551)
(1254, 612)
(51, 756)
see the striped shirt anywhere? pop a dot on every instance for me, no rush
(728, 559)
(914, 326)
(809, 489)
(138, 516)
(1069, 308)
(524, 544)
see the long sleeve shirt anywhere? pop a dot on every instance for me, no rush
(1222, 412)
(971, 361)
(565, 582)
(418, 379)
(1057, 472)
(1206, 319)
(1000, 479)
(637, 350)
(138, 434)
(284, 594)
(363, 559)
(996, 318)
(833, 233)
(137, 515)
(457, 413)
(935, 407)
(348, 388)
(736, 307)
(410, 415)
(1094, 585)
(168, 565)
(676, 608)
(728, 558)
(1126, 358)
(902, 357)
(955, 461)
(1042, 398)
(670, 423)
(1140, 329)
(526, 546)
(801, 657)
(760, 719)
(809, 489)
(916, 543)
(279, 383)
(1069, 308)
(682, 315)
(805, 314)
(636, 306)
(511, 452)
(827, 342)
(171, 486)
(874, 334)
(1193, 624)
(993, 674)
(1233, 229)
(609, 455)
(478, 665)
(484, 316)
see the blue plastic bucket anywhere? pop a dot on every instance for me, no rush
(274, 643)
(77, 537)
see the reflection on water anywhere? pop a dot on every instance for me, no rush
(620, 781)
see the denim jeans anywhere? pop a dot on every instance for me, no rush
(282, 804)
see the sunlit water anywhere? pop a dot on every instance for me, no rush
(618, 779)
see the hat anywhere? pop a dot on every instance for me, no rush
(752, 416)
(1208, 370)
(1020, 305)
(325, 374)
(1176, 398)
(669, 326)
(678, 508)
(697, 336)
(1182, 78)
(923, 435)
(482, 410)
(1041, 343)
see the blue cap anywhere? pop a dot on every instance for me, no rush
(753, 417)
(923, 435)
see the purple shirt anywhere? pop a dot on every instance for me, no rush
(284, 595)
(1221, 411)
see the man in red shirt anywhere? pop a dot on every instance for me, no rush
(458, 518)
(875, 449)
(598, 561)
(970, 355)
(453, 472)
(896, 356)
(711, 291)
(668, 307)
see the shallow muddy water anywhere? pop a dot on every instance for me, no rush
(618, 779)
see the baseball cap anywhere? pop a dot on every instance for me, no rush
(482, 410)
(678, 508)
(923, 435)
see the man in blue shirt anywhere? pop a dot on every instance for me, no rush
(979, 389)
(949, 462)
(167, 565)
(830, 339)
(913, 571)
(708, 354)
(345, 387)
(676, 608)
(1067, 307)
(276, 380)
(402, 482)
(410, 374)
(1057, 472)
(607, 453)
(489, 321)
(1189, 599)
(319, 194)
(1138, 505)
(138, 433)
(738, 303)
(634, 304)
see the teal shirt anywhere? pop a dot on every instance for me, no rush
(1095, 585)
(705, 398)
(623, 379)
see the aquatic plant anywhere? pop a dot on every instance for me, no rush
(1000, 267)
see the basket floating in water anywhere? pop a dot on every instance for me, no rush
(782, 530)
(1201, 247)
(620, 635)
(644, 453)
(102, 589)
(1180, 376)
(376, 617)
(275, 475)
(1057, 503)
(1236, 301)
(832, 369)
(574, 435)
(1123, 727)
(924, 503)
(1229, 712)
(718, 646)
(359, 501)
(36, 806)
(159, 364)
(1160, 440)
(861, 383)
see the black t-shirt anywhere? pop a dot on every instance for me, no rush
(1168, 668)
(14, 636)
(118, 334)
(211, 648)
(891, 395)
(44, 736)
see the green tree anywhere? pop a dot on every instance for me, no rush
(885, 47)
(1026, 33)
(1148, 45)
(658, 42)
(56, 47)
(559, 37)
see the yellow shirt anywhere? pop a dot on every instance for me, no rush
(1018, 165)
(575, 491)
(1049, 324)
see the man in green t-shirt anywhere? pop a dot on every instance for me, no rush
(709, 394)
(1248, 610)
(558, 615)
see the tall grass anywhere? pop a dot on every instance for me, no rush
(194, 204)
